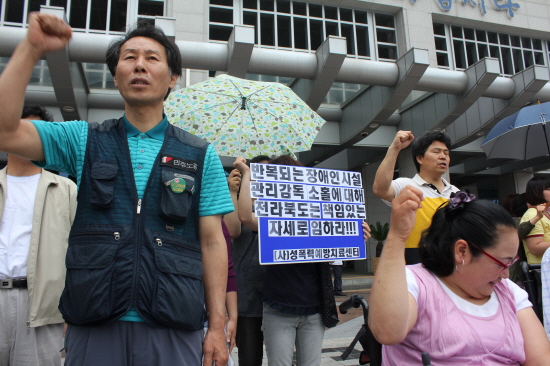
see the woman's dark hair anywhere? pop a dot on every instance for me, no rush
(144, 29)
(36, 110)
(476, 222)
(285, 160)
(534, 192)
(423, 142)
(508, 203)
(519, 206)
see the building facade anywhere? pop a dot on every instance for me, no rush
(369, 68)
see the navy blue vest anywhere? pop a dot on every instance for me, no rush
(124, 252)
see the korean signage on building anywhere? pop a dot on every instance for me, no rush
(308, 214)
(506, 5)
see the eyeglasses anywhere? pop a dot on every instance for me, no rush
(504, 266)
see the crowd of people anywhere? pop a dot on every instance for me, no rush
(161, 262)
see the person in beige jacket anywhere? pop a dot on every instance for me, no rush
(37, 209)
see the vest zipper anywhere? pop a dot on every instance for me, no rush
(160, 243)
(139, 206)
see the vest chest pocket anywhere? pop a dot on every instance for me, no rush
(103, 183)
(176, 195)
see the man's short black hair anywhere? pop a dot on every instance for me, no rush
(37, 110)
(422, 142)
(259, 158)
(144, 29)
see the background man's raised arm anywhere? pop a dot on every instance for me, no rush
(382, 187)
(46, 33)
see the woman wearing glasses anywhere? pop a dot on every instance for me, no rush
(458, 304)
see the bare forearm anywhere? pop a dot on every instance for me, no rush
(389, 300)
(231, 305)
(214, 260)
(539, 248)
(13, 83)
(384, 175)
(246, 215)
(232, 219)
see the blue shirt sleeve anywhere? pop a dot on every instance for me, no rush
(64, 145)
(215, 198)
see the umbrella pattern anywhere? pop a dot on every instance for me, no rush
(243, 117)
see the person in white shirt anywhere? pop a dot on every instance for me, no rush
(430, 154)
(37, 210)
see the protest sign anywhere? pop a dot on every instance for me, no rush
(308, 214)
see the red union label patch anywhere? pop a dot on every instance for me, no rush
(179, 163)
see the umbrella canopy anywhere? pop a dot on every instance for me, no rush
(244, 117)
(523, 135)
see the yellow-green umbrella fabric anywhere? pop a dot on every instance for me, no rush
(243, 117)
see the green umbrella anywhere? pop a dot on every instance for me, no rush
(243, 117)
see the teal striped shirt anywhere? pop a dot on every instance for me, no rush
(64, 145)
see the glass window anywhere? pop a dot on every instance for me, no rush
(268, 5)
(457, 31)
(284, 34)
(61, 3)
(503, 38)
(460, 57)
(471, 53)
(385, 35)
(346, 15)
(151, 7)
(347, 31)
(384, 20)
(442, 59)
(440, 44)
(267, 30)
(518, 60)
(221, 15)
(439, 29)
(332, 29)
(98, 15)
(220, 32)
(250, 4)
(331, 12)
(361, 17)
(315, 10)
(34, 5)
(299, 8)
(481, 36)
(482, 51)
(118, 16)
(300, 34)
(528, 58)
(387, 52)
(283, 6)
(363, 48)
(507, 63)
(78, 13)
(515, 53)
(469, 34)
(316, 33)
(14, 11)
